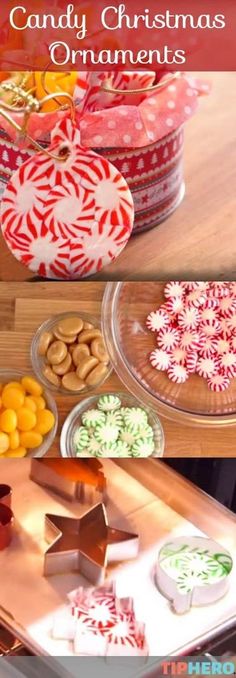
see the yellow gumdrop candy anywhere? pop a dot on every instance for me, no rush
(4, 443)
(39, 402)
(14, 438)
(30, 404)
(19, 453)
(32, 386)
(8, 421)
(12, 398)
(45, 421)
(26, 419)
(31, 439)
(14, 384)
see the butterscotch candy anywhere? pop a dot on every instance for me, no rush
(56, 353)
(97, 375)
(86, 366)
(66, 339)
(80, 352)
(70, 326)
(98, 349)
(71, 382)
(87, 336)
(44, 343)
(64, 367)
(51, 376)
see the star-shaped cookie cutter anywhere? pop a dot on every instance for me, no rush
(86, 544)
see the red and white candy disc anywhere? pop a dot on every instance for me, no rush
(67, 219)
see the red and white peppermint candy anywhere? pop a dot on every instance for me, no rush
(189, 339)
(207, 367)
(160, 359)
(233, 343)
(191, 362)
(232, 287)
(178, 374)
(174, 305)
(231, 322)
(219, 290)
(196, 298)
(196, 285)
(178, 355)
(225, 330)
(209, 313)
(157, 320)
(227, 306)
(210, 328)
(227, 363)
(168, 338)
(174, 289)
(209, 347)
(188, 319)
(223, 346)
(219, 382)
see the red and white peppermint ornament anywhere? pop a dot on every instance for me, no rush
(160, 359)
(227, 364)
(219, 382)
(191, 362)
(188, 319)
(178, 374)
(168, 338)
(157, 320)
(207, 367)
(70, 218)
(173, 289)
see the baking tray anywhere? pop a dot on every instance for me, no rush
(29, 601)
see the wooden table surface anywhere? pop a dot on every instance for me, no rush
(24, 307)
(199, 239)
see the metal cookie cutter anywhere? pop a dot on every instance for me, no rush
(6, 516)
(192, 571)
(73, 479)
(86, 544)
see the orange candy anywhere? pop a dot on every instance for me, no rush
(45, 421)
(26, 419)
(8, 421)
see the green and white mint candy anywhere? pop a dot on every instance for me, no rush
(108, 403)
(146, 432)
(129, 435)
(114, 418)
(143, 448)
(106, 434)
(135, 416)
(92, 418)
(122, 448)
(94, 447)
(109, 450)
(81, 439)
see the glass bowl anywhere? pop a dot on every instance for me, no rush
(38, 362)
(5, 377)
(129, 342)
(74, 420)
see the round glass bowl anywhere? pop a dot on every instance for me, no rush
(5, 377)
(38, 362)
(74, 420)
(129, 343)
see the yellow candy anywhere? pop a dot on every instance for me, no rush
(32, 386)
(19, 453)
(31, 439)
(26, 419)
(45, 422)
(12, 398)
(54, 82)
(39, 402)
(30, 404)
(8, 421)
(14, 384)
(14, 438)
(4, 443)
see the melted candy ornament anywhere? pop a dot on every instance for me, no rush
(67, 219)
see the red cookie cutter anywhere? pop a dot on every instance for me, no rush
(6, 516)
